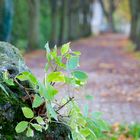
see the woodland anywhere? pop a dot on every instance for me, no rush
(69, 69)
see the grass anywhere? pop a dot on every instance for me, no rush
(122, 132)
(130, 48)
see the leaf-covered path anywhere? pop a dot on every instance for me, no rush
(114, 76)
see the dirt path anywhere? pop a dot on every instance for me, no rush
(114, 76)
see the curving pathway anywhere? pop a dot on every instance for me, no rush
(114, 76)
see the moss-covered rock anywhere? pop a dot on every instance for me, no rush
(12, 62)
(11, 59)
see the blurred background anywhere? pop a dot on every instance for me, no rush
(29, 24)
(107, 32)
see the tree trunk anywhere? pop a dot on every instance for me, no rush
(111, 18)
(6, 13)
(33, 24)
(62, 21)
(137, 36)
(75, 26)
(53, 37)
(135, 22)
(70, 19)
(133, 29)
(109, 14)
(86, 27)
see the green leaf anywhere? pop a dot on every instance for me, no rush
(28, 113)
(37, 127)
(54, 52)
(48, 92)
(80, 75)
(47, 47)
(56, 77)
(96, 115)
(7, 79)
(48, 55)
(89, 97)
(30, 132)
(81, 121)
(10, 82)
(3, 88)
(21, 126)
(51, 111)
(46, 126)
(79, 136)
(43, 91)
(72, 63)
(102, 124)
(40, 120)
(51, 92)
(69, 80)
(92, 135)
(65, 48)
(77, 53)
(23, 76)
(5, 75)
(37, 101)
(85, 131)
(26, 75)
(79, 82)
(58, 61)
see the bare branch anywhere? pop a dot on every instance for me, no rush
(70, 99)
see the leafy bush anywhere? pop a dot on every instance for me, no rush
(43, 109)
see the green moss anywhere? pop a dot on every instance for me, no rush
(11, 103)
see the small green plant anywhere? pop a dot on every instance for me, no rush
(61, 69)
